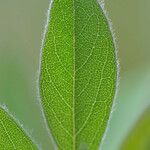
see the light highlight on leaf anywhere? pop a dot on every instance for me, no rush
(12, 137)
(78, 73)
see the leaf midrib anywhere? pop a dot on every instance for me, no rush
(74, 73)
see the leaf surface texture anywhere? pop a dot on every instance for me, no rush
(78, 73)
(12, 137)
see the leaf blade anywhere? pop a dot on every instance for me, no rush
(78, 71)
(11, 135)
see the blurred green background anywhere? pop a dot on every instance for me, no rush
(21, 27)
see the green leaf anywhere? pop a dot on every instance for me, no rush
(12, 137)
(78, 73)
(138, 138)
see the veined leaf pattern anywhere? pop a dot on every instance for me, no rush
(78, 73)
(12, 137)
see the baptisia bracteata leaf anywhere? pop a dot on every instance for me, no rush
(78, 73)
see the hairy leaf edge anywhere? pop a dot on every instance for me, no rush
(26, 131)
(114, 105)
(45, 24)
